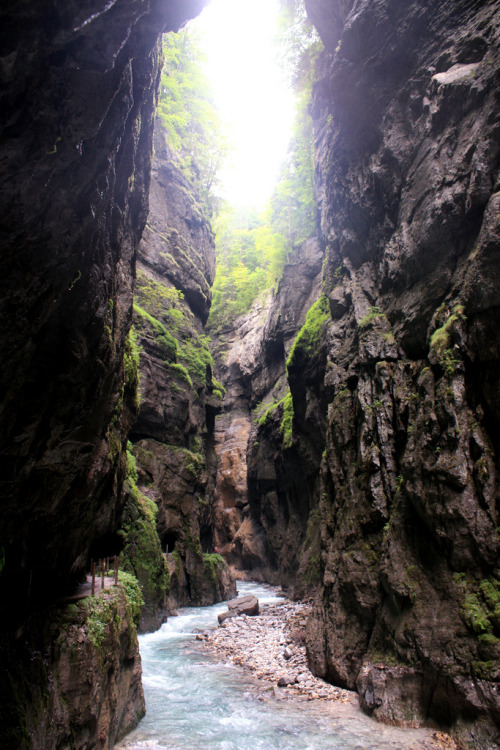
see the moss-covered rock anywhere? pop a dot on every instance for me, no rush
(142, 553)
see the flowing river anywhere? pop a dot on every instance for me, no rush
(193, 701)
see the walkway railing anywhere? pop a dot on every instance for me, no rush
(101, 569)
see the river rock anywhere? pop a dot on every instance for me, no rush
(287, 680)
(244, 605)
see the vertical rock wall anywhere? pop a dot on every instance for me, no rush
(407, 168)
(263, 495)
(173, 433)
(77, 100)
(77, 92)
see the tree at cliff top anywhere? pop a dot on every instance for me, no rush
(188, 116)
(252, 250)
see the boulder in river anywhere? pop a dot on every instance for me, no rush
(244, 605)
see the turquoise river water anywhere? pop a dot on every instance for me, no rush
(195, 702)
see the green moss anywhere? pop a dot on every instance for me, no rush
(114, 444)
(142, 554)
(194, 463)
(309, 336)
(169, 345)
(441, 339)
(212, 564)
(177, 559)
(265, 417)
(218, 389)
(180, 370)
(373, 314)
(155, 297)
(101, 617)
(481, 604)
(286, 426)
(143, 317)
(194, 354)
(133, 594)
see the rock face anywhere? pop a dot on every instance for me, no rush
(173, 433)
(407, 166)
(258, 512)
(74, 203)
(78, 679)
(78, 86)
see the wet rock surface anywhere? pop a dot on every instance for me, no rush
(243, 605)
(407, 174)
(259, 519)
(78, 87)
(172, 436)
(78, 678)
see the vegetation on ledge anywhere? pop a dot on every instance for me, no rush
(142, 554)
(309, 336)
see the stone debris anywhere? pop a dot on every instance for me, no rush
(243, 605)
(271, 646)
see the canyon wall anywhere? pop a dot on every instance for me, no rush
(77, 92)
(76, 674)
(371, 425)
(407, 171)
(172, 437)
(262, 502)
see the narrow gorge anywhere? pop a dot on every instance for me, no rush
(338, 438)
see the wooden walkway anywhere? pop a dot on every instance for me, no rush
(85, 589)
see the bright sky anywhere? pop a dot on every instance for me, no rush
(250, 92)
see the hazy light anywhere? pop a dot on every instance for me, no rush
(250, 92)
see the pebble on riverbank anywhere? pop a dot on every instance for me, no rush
(271, 646)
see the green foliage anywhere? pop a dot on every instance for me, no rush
(160, 309)
(371, 316)
(250, 259)
(212, 564)
(441, 339)
(285, 406)
(145, 317)
(481, 604)
(286, 427)
(299, 43)
(194, 354)
(142, 555)
(181, 371)
(160, 300)
(102, 613)
(133, 594)
(309, 336)
(252, 250)
(187, 114)
(268, 412)
(131, 364)
(101, 617)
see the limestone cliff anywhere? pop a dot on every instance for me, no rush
(173, 433)
(77, 92)
(371, 472)
(407, 167)
(262, 508)
(76, 674)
